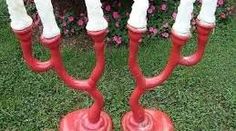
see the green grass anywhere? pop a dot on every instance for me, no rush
(202, 97)
(3, 11)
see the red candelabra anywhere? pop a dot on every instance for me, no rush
(140, 119)
(91, 119)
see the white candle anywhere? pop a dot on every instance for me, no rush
(207, 13)
(138, 15)
(19, 17)
(45, 10)
(182, 23)
(96, 20)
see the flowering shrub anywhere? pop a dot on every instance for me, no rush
(161, 15)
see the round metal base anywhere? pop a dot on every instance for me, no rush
(154, 121)
(78, 121)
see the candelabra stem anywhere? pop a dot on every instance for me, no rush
(136, 107)
(203, 31)
(96, 108)
(177, 45)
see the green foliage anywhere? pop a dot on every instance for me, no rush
(3, 11)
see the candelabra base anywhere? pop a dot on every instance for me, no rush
(78, 121)
(154, 121)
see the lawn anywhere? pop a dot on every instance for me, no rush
(197, 98)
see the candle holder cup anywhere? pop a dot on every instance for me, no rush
(91, 119)
(140, 119)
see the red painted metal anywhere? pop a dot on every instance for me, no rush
(25, 38)
(91, 119)
(140, 119)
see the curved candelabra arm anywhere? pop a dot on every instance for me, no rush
(54, 46)
(175, 54)
(58, 66)
(203, 30)
(176, 57)
(25, 38)
(135, 36)
(99, 48)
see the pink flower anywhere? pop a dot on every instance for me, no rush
(199, 1)
(85, 19)
(220, 2)
(116, 15)
(117, 24)
(107, 18)
(108, 8)
(61, 17)
(64, 23)
(80, 22)
(127, 13)
(71, 18)
(36, 19)
(151, 9)
(36, 22)
(72, 30)
(66, 31)
(119, 4)
(117, 40)
(165, 34)
(193, 22)
(82, 14)
(163, 7)
(153, 30)
(222, 15)
(174, 14)
(166, 25)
